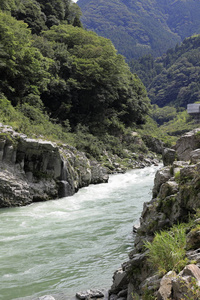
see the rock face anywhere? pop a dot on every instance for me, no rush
(188, 142)
(169, 156)
(34, 170)
(153, 144)
(176, 197)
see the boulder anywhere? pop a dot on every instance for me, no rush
(46, 297)
(152, 283)
(194, 255)
(169, 156)
(195, 156)
(185, 144)
(90, 294)
(193, 239)
(193, 271)
(177, 166)
(120, 281)
(168, 188)
(14, 189)
(181, 287)
(187, 173)
(98, 173)
(186, 284)
(165, 290)
(161, 177)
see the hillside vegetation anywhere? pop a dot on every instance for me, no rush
(142, 27)
(174, 78)
(58, 80)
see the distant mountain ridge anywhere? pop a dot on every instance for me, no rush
(172, 79)
(178, 83)
(142, 27)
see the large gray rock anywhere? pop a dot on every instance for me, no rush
(37, 170)
(14, 189)
(169, 156)
(168, 188)
(89, 294)
(181, 287)
(120, 281)
(185, 286)
(188, 142)
(165, 290)
(187, 173)
(193, 271)
(194, 255)
(151, 283)
(46, 297)
(195, 156)
(161, 177)
(98, 173)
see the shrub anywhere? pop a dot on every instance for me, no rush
(167, 251)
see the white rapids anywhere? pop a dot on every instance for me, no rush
(74, 243)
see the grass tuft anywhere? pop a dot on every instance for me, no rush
(167, 251)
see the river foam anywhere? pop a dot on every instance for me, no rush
(73, 243)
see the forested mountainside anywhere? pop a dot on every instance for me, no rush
(142, 27)
(41, 14)
(64, 81)
(174, 78)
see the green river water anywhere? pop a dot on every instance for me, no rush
(71, 244)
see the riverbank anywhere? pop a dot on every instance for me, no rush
(33, 170)
(176, 200)
(71, 244)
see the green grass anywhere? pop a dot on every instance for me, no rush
(167, 251)
(36, 125)
(170, 131)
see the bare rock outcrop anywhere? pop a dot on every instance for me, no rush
(176, 198)
(188, 142)
(34, 170)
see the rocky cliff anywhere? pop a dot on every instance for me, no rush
(176, 199)
(34, 170)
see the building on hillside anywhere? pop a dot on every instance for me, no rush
(194, 111)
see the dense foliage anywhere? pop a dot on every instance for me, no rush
(65, 75)
(41, 14)
(167, 251)
(174, 78)
(142, 27)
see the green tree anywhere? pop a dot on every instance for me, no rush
(101, 86)
(23, 69)
(7, 5)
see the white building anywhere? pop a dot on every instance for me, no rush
(194, 111)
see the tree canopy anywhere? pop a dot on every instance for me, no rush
(178, 81)
(41, 15)
(73, 75)
(142, 27)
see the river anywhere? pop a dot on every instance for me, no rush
(71, 244)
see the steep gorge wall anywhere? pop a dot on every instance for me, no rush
(176, 198)
(34, 170)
